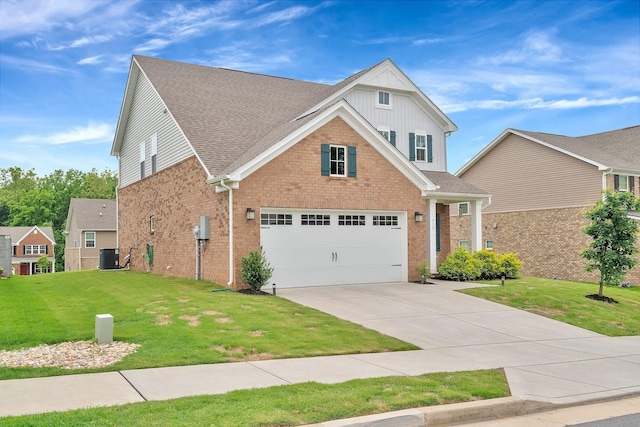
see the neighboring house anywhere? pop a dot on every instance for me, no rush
(91, 225)
(341, 183)
(27, 245)
(541, 186)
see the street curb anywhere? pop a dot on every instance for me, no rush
(458, 413)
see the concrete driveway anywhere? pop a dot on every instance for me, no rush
(544, 359)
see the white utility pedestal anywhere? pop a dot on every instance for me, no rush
(104, 328)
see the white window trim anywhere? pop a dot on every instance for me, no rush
(460, 210)
(625, 179)
(344, 147)
(388, 106)
(86, 233)
(423, 134)
(486, 244)
(386, 129)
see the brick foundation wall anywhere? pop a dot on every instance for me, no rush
(549, 241)
(177, 196)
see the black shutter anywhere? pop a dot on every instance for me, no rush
(632, 186)
(412, 147)
(351, 161)
(325, 160)
(392, 136)
(616, 182)
(437, 232)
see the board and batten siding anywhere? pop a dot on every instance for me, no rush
(147, 117)
(524, 175)
(403, 117)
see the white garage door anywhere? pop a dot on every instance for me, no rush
(311, 248)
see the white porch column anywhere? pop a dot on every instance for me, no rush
(476, 225)
(431, 242)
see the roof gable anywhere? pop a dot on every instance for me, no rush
(92, 214)
(617, 150)
(18, 234)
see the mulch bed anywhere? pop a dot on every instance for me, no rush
(253, 292)
(603, 298)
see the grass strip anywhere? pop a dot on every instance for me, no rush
(565, 301)
(289, 405)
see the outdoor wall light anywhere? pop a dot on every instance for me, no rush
(495, 225)
(418, 216)
(251, 214)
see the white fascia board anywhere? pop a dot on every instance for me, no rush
(454, 197)
(504, 134)
(126, 107)
(387, 63)
(619, 171)
(347, 113)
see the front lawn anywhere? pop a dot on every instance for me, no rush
(565, 301)
(177, 321)
(289, 405)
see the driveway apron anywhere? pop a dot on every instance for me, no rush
(544, 360)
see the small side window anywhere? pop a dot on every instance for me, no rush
(488, 244)
(384, 99)
(463, 208)
(463, 244)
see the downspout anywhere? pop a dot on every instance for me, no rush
(222, 184)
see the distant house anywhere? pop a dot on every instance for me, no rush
(27, 245)
(541, 186)
(91, 225)
(343, 183)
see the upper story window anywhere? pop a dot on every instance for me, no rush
(35, 249)
(142, 155)
(384, 99)
(389, 135)
(90, 239)
(154, 153)
(338, 160)
(421, 148)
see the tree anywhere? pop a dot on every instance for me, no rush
(256, 270)
(614, 236)
(43, 263)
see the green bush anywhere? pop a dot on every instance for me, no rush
(490, 267)
(424, 270)
(460, 265)
(510, 265)
(256, 270)
(484, 264)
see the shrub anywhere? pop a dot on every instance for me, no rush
(460, 265)
(424, 270)
(510, 265)
(256, 270)
(490, 266)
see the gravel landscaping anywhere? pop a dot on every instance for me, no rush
(68, 355)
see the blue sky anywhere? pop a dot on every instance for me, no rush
(565, 67)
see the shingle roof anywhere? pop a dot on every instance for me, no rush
(94, 214)
(214, 105)
(452, 184)
(17, 233)
(618, 149)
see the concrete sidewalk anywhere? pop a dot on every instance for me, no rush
(547, 363)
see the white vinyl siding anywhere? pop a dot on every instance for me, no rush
(147, 118)
(405, 117)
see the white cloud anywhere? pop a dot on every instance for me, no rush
(539, 103)
(27, 65)
(536, 47)
(90, 134)
(24, 17)
(92, 60)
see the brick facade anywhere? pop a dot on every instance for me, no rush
(177, 196)
(548, 241)
(34, 238)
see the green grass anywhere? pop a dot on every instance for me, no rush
(288, 405)
(565, 301)
(156, 311)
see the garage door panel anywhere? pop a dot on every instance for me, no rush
(312, 255)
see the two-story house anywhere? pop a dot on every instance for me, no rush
(343, 183)
(542, 185)
(27, 245)
(91, 225)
